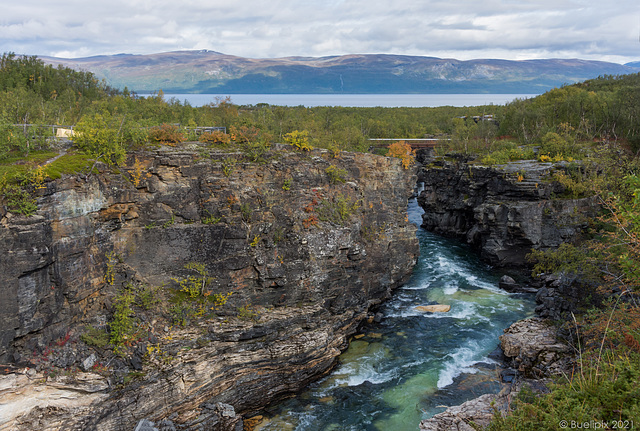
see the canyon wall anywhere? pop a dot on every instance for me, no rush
(294, 247)
(502, 211)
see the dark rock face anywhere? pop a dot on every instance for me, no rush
(312, 256)
(497, 212)
(559, 295)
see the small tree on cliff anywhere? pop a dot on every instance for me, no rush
(402, 151)
(101, 136)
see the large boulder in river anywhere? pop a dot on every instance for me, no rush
(435, 308)
(508, 283)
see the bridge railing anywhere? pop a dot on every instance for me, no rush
(416, 144)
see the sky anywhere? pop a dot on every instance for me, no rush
(464, 29)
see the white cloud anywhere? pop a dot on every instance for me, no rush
(512, 29)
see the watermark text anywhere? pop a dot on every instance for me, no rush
(595, 425)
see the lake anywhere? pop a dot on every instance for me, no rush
(354, 100)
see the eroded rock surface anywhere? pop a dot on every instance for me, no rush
(303, 257)
(532, 347)
(503, 211)
(478, 411)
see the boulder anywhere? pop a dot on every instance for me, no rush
(435, 308)
(507, 283)
(458, 418)
(89, 362)
(533, 348)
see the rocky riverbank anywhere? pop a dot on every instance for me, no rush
(534, 351)
(286, 255)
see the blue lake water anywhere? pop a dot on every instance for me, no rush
(403, 369)
(354, 100)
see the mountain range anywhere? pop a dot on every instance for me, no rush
(216, 73)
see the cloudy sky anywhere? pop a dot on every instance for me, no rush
(606, 30)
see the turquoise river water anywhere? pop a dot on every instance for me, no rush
(408, 366)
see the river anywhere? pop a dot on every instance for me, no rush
(410, 364)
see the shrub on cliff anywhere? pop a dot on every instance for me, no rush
(402, 151)
(568, 258)
(505, 153)
(166, 134)
(336, 175)
(194, 299)
(107, 137)
(300, 140)
(337, 209)
(556, 146)
(217, 137)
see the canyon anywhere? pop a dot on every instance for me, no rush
(245, 280)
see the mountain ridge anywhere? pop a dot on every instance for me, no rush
(207, 71)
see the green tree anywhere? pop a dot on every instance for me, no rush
(103, 137)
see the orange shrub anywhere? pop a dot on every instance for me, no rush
(167, 134)
(244, 134)
(217, 137)
(402, 151)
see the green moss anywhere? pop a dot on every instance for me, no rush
(20, 201)
(35, 157)
(71, 163)
(16, 165)
(95, 337)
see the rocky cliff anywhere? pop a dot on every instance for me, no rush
(192, 286)
(503, 211)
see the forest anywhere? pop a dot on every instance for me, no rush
(590, 130)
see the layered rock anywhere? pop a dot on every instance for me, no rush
(533, 347)
(468, 416)
(503, 211)
(303, 254)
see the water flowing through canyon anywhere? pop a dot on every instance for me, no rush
(411, 364)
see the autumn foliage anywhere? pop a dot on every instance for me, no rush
(402, 151)
(217, 137)
(167, 134)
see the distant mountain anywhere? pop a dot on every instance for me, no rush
(633, 64)
(214, 72)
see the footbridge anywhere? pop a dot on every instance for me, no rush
(415, 143)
